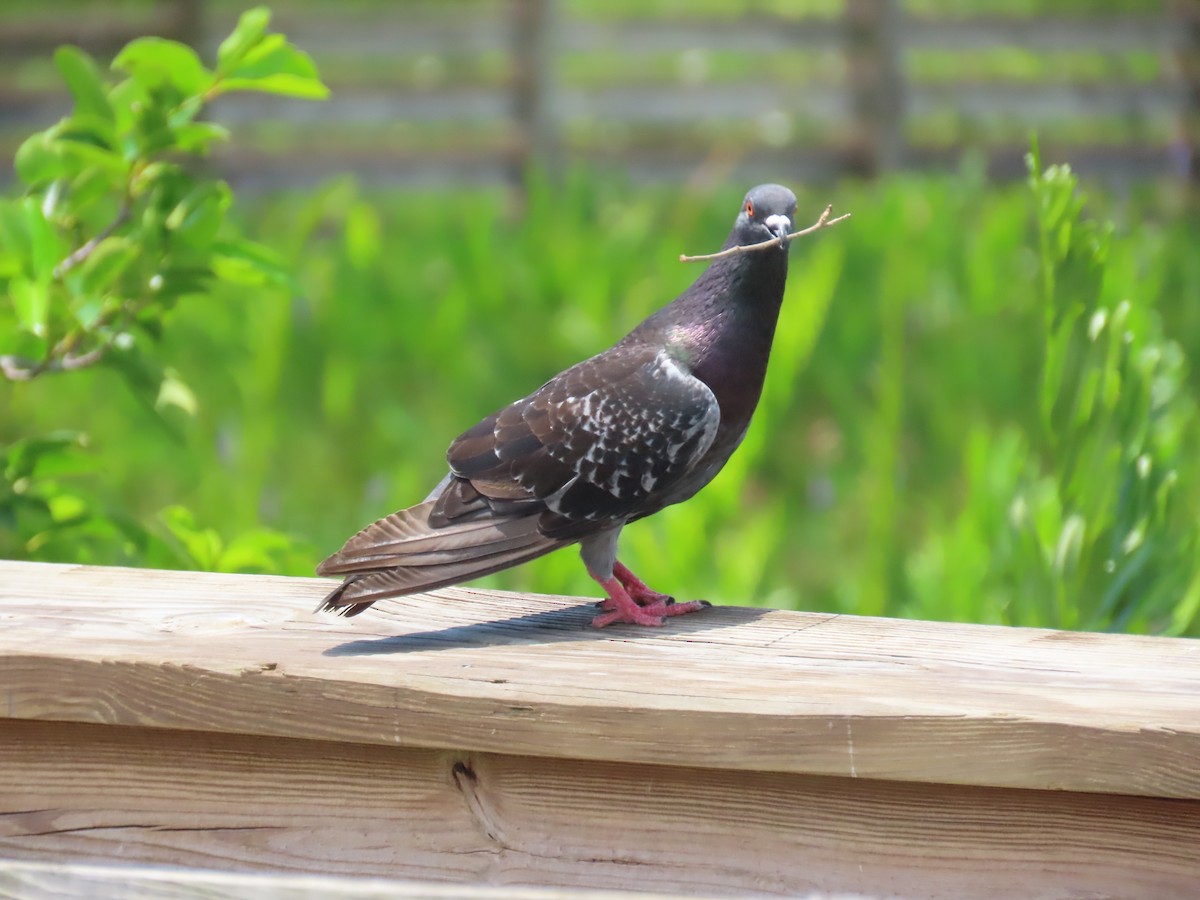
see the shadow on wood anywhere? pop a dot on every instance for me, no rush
(550, 626)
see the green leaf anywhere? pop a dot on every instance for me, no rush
(79, 154)
(275, 56)
(23, 457)
(87, 310)
(15, 247)
(172, 392)
(197, 137)
(38, 160)
(128, 97)
(1187, 610)
(68, 509)
(276, 67)
(179, 281)
(197, 217)
(47, 249)
(150, 177)
(201, 545)
(152, 131)
(31, 301)
(185, 112)
(142, 374)
(283, 85)
(255, 551)
(92, 185)
(249, 32)
(363, 235)
(247, 262)
(83, 79)
(105, 264)
(57, 153)
(156, 61)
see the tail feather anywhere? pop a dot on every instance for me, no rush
(402, 554)
(395, 539)
(333, 601)
(358, 592)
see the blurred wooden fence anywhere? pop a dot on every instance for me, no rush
(472, 90)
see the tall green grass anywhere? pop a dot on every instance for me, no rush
(980, 405)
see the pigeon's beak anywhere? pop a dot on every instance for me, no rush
(780, 226)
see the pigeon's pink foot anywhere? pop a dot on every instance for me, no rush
(621, 607)
(637, 589)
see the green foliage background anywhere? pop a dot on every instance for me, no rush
(981, 404)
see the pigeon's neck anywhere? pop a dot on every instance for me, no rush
(722, 327)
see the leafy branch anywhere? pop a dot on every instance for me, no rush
(114, 227)
(82, 254)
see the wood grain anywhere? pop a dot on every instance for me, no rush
(729, 688)
(63, 881)
(155, 796)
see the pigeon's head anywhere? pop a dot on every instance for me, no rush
(767, 213)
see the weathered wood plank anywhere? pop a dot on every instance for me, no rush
(154, 796)
(63, 881)
(732, 688)
(1043, 33)
(1040, 103)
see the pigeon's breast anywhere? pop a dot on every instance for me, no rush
(706, 469)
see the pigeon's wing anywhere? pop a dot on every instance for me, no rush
(595, 444)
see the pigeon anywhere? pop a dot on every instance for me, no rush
(615, 438)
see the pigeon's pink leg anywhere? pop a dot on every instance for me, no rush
(638, 590)
(621, 607)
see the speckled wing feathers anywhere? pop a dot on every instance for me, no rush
(594, 444)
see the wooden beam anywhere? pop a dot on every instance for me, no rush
(212, 722)
(1042, 33)
(1186, 147)
(20, 880)
(732, 688)
(88, 793)
(532, 26)
(876, 79)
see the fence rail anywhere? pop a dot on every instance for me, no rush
(211, 721)
(477, 90)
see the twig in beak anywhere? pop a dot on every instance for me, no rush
(823, 222)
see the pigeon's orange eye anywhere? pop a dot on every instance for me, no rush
(750, 208)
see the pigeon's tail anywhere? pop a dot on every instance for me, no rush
(403, 554)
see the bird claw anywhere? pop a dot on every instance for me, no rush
(630, 617)
(652, 615)
(631, 601)
(649, 598)
(637, 589)
(652, 598)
